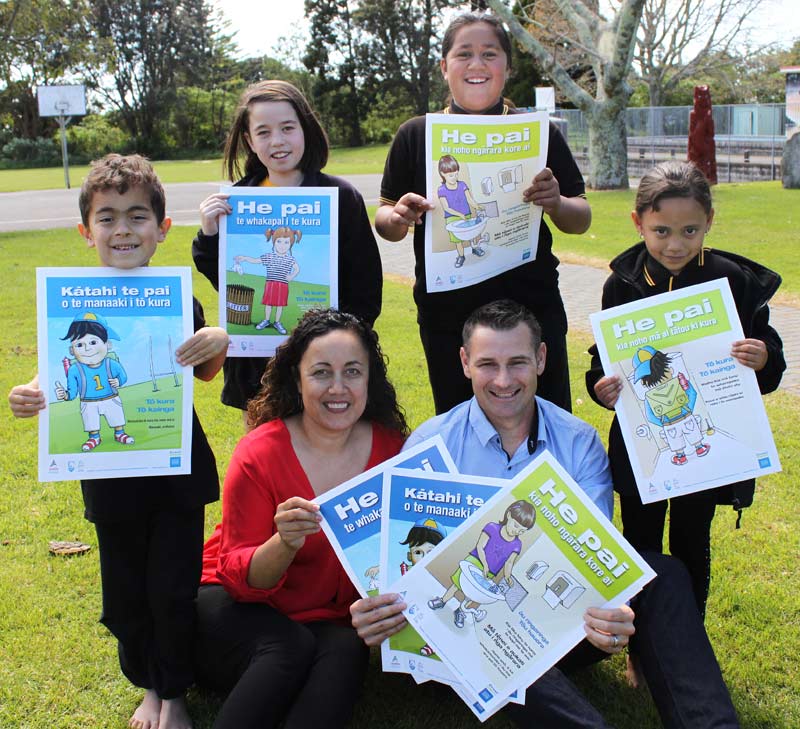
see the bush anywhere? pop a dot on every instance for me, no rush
(39, 152)
(94, 137)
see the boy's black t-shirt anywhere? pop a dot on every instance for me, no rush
(119, 499)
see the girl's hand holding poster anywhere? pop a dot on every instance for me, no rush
(502, 598)
(278, 258)
(118, 404)
(477, 169)
(684, 396)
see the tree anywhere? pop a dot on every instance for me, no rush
(333, 29)
(40, 42)
(152, 47)
(671, 30)
(401, 49)
(608, 49)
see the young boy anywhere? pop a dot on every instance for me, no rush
(149, 529)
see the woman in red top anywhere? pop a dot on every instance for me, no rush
(273, 609)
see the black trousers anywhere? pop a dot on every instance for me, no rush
(675, 654)
(274, 669)
(150, 570)
(446, 374)
(690, 518)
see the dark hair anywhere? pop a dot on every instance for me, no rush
(315, 155)
(447, 163)
(280, 396)
(465, 19)
(521, 511)
(672, 179)
(121, 173)
(659, 363)
(421, 535)
(502, 315)
(78, 329)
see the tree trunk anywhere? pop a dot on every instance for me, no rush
(608, 146)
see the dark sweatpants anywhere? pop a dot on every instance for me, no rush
(273, 668)
(150, 570)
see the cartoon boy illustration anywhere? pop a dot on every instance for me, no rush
(281, 268)
(497, 550)
(421, 539)
(669, 402)
(457, 204)
(94, 377)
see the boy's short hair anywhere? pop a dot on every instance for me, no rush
(502, 315)
(121, 173)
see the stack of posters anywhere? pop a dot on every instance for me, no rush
(496, 574)
(477, 168)
(118, 404)
(278, 258)
(683, 395)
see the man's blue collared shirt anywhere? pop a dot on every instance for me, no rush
(476, 449)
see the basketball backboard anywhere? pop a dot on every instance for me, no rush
(61, 100)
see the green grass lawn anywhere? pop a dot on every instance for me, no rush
(343, 161)
(58, 666)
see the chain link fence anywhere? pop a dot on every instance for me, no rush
(749, 138)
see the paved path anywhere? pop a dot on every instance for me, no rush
(580, 285)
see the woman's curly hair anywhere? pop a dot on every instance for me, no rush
(280, 396)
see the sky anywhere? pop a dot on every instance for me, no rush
(260, 25)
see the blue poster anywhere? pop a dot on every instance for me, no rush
(278, 258)
(351, 513)
(118, 404)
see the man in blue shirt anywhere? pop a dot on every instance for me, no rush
(497, 433)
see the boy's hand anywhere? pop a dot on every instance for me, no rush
(205, 344)
(26, 401)
(544, 191)
(608, 389)
(751, 353)
(61, 393)
(210, 210)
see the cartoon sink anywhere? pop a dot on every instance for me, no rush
(467, 230)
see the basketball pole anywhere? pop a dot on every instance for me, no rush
(62, 125)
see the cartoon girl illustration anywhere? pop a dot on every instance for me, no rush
(281, 268)
(497, 550)
(457, 204)
(669, 402)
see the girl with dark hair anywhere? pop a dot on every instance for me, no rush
(274, 626)
(673, 213)
(282, 143)
(476, 57)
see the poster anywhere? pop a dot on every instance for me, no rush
(278, 258)
(502, 598)
(681, 406)
(477, 168)
(420, 509)
(118, 404)
(351, 512)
